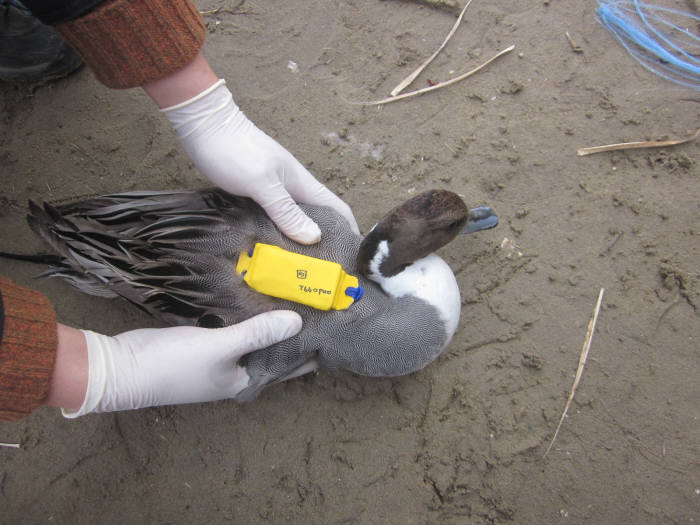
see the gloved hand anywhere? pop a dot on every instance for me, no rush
(168, 366)
(238, 157)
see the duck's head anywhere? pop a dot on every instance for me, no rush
(417, 228)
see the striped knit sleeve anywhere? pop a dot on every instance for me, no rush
(27, 350)
(129, 43)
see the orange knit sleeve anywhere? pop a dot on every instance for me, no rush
(129, 43)
(27, 350)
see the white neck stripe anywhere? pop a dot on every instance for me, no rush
(430, 279)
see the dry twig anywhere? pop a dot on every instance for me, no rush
(410, 78)
(581, 363)
(574, 46)
(633, 145)
(440, 85)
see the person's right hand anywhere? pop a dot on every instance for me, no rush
(240, 158)
(184, 364)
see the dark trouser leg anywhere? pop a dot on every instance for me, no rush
(29, 50)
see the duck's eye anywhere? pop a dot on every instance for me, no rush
(453, 225)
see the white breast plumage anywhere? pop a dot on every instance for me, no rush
(429, 279)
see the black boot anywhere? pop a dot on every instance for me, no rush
(31, 51)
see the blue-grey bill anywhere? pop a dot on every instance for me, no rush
(480, 218)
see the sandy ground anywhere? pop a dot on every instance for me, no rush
(463, 440)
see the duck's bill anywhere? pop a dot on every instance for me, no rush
(480, 218)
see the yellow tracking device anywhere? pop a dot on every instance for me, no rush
(320, 284)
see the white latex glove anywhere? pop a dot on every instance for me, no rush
(170, 366)
(240, 158)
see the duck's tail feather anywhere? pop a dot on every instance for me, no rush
(62, 235)
(83, 282)
(35, 258)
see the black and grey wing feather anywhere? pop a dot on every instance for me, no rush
(170, 253)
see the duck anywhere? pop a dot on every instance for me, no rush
(173, 254)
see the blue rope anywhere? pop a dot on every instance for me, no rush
(636, 26)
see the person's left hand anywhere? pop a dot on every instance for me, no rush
(177, 365)
(240, 158)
